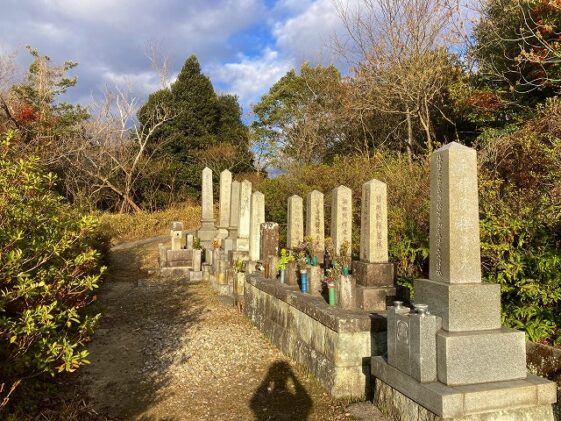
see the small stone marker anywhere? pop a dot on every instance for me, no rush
(242, 241)
(225, 201)
(257, 218)
(190, 241)
(295, 222)
(314, 219)
(177, 235)
(347, 292)
(341, 217)
(314, 280)
(269, 240)
(207, 231)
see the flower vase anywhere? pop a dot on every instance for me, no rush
(304, 281)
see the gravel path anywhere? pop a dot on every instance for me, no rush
(175, 352)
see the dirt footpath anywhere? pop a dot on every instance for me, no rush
(178, 353)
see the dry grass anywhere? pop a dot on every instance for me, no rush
(130, 227)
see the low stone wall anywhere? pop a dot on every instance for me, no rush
(545, 361)
(333, 344)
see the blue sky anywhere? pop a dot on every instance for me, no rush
(243, 45)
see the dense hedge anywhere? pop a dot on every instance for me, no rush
(50, 264)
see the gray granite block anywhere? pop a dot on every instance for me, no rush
(463, 307)
(482, 356)
(490, 401)
(422, 346)
(374, 298)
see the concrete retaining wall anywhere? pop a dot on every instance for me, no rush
(333, 344)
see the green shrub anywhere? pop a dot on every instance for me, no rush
(48, 271)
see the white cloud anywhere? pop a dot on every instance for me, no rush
(249, 78)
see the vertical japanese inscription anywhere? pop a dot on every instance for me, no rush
(438, 251)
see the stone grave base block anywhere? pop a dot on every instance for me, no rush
(463, 307)
(181, 257)
(374, 274)
(465, 358)
(401, 397)
(374, 298)
(195, 276)
(207, 233)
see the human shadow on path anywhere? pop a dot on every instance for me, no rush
(280, 396)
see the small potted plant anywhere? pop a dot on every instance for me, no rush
(345, 257)
(285, 259)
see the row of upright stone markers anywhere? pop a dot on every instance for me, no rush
(448, 356)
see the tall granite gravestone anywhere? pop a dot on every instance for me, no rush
(207, 232)
(341, 217)
(257, 218)
(315, 225)
(229, 242)
(458, 362)
(295, 222)
(242, 240)
(373, 273)
(224, 210)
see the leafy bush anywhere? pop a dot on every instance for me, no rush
(520, 188)
(48, 271)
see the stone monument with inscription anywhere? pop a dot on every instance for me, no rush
(374, 275)
(295, 222)
(341, 217)
(451, 357)
(229, 242)
(315, 225)
(207, 232)
(257, 218)
(225, 201)
(244, 221)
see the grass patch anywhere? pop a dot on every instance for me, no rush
(131, 227)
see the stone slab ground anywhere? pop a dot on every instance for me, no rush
(176, 352)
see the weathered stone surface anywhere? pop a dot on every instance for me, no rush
(177, 236)
(346, 287)
(181, 257)
(257, 218)
(271, 267)
(176, 226)
(244, 224)
(374, 223)
(197, 259)
(207, 207)
(482, 356)
(190, 241)
(336, 358)
(225, 201)
(374, 298)
(207, 231)
(402, 397)
(422, 346)
(454, 216)
(463, 307)
(315, 224)
(374, 274)
(392, 339)
(234, 209)
(269, 240)
(341, 217)
(292, 274)
(295, 222)
(315, 278)
(195, 276)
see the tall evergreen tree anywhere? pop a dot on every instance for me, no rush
(204, 120)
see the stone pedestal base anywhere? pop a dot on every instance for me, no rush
(292, 274)
(374, 274)
(463, 307)
(195, 276)
(401, 397)
(480, 356)
(234, 255)
(241, 244)
(222, 233)
(179, 257)
(176, 272)
(374, 298)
